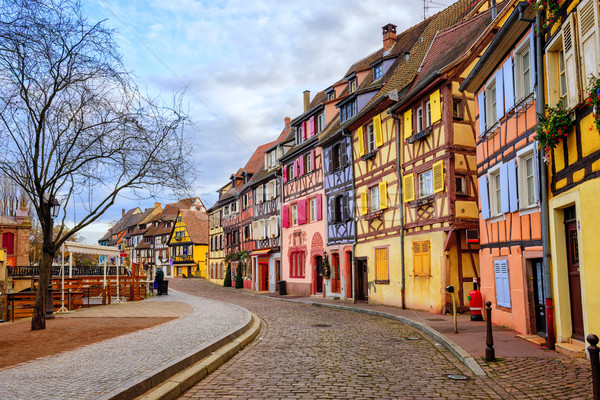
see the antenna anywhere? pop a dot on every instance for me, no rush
(429, 4)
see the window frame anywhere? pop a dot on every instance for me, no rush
(419, 119)
(427, 114)
(523, 179)
(374, 206)
(495, 192)
(377, 72)
(294, 214)
(312, 205)
(370, 134)
(422, 182)
(491, 115)
(425, 268)
(522, 88)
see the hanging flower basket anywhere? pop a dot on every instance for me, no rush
(553, 128)
(593, 100)
(548, 11)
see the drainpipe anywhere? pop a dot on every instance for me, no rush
(398, 158)
(349, 134)
(540, 109)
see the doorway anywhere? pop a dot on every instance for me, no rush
(263, 276)
(362, 280)
(573, 270)
(537, 271)
(319, 268)
(277, 273)
(335, 273)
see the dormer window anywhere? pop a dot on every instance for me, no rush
(352, 87)
(348, 110)
(331, 96)
(377, 71)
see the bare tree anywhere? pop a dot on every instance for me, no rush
(73, 124)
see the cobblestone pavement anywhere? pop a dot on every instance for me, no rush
(94, 371)
(308, 352)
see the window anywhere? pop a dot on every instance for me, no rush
(348, 110)
(352, 86)
(523, 71)
(290, 173)
(331, 96)
(419, 119)
(308, 163)
(297, 264)
(336, 155)
(381, 265)
(426, 183)
(377, 71)
(491, 115)
(338, 209)
(457, 109)
(527, 186)
(371, 145)
(563, 84)
(374, 204)
(428, 114)
(273, 159)
(313, 209)
(495, 194)
(320, 122)
(461, 185)
(421, 258)
(502, 283)
(295, 215)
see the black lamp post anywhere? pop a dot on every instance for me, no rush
(54, 205)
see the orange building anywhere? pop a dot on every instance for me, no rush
(14, 236)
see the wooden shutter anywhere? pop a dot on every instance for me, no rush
(568, 31)
(329, 158)
(331, 209)
(425, 258)
(311, 126)
(346, 208)
(381, 264)
(484, 203)
(512, 186)
(344, 153)
(383, 196)
(408, 125)
(378, 131)
(361, 141)
(363, 202)
(301, 211)
(435, 106)
(285, 216)
(284, 173)
(502, 283)
(301, 164)
(417, 261)
(481, 106)
(588, 39)
(509, 83)
(438, 176)
(319, 207)
(313, 160)
(504, 202)
(408, 187)
(304, 131)
(499, 95)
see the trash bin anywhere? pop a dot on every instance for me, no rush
(282, 289)
(164, 287)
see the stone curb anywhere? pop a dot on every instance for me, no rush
(218, 353)
(448, 343)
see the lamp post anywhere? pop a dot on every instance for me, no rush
(54, 206)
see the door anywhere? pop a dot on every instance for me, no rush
(573, 269)
(319, 268)
(263, 276)
(277, 273)
(335, 273)
(538, 296)
(362, 282)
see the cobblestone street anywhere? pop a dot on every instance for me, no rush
(308, 352)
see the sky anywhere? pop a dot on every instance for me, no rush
(244, 65)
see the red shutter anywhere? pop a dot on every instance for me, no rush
(319, 207)
(301, 165)
(311, 123)
(8, 242)
(285, 216)
(312, 160)
(304, 133)
(301, 211)
(284, 172)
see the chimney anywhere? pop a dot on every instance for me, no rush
(156, 205)
(306, 100)
(287, 121)
(389, 36)
(123, 213)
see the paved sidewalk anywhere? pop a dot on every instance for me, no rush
(103, 370)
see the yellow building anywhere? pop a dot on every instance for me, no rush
(216, 252)
(572, 56)
(188, 244)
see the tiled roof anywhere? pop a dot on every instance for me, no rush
(196, 223)
(126, 220)
(8, 220)
(258, 158)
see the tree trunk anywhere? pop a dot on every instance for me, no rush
(38, 321)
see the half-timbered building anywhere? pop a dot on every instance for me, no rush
(188, 244)
(439, 173)
(572, 55)
(504, 84)
(216, 249)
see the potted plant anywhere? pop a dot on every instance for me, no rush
(553, 128)
(326, 267)
(593, 100)
(548, 11)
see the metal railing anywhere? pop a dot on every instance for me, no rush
(78, 270)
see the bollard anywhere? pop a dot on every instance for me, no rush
(489, 341)
(594, 351)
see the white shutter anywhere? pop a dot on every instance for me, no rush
(588, 39)
(569, 40)
(262, 229)
(254, 230)
(500, 94)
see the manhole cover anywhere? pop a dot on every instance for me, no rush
(457, 377)
(413, 338)
(321, 326)
(435, 319)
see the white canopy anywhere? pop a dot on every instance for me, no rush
(74, 247)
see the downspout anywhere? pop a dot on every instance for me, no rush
(540, 109)
(349, 134)
(398, 160)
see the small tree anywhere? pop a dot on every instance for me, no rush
(239, 282)
(227, 280)
(74, 126)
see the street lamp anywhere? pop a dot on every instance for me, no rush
(53, 203)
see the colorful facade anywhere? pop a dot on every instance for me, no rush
(216, 249)
(14, 238)
(188, 244)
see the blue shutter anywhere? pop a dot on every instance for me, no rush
(502, 283)
(484, 203)
(499, 95)
(532, 58)
(509, 84)
(504, 203)
(536, 170)
(481, 101)
(512, 186)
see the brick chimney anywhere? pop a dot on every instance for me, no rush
(306, 100)
(389, 36)
(156, 205)
(123, 212)
(287, 121)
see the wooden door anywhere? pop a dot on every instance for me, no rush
(574, 278)
(362, 280)
(335, 274)
(277, 273)
(538, 296)
(319, 268)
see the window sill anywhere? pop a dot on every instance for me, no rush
(421, 135)
(423, 201)
(383, 282)
(370, 155)
(373, 215)
(529, 210)
(491, 131)
(497, 218)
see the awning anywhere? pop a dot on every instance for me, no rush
(260, 252)
(74, 247)
(175, 264)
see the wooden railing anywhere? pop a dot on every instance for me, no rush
(78, 270)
